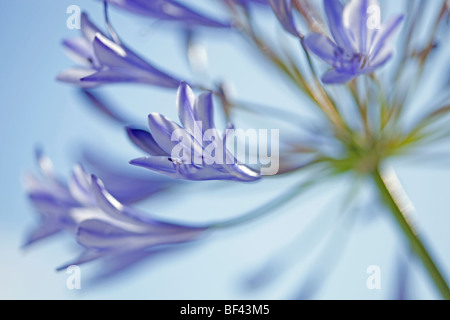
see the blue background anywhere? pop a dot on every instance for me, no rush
(37, 110)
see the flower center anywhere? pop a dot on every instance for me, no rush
(350, 61)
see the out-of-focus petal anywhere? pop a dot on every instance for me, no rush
(81, 50)
(42, 232)
(74, 75)
(322, 46)
(385, 35)
(105, 76)
(126, 216)
(101, 235)
(88, 29)
(80, 186)
(169, 10)
(126, 183)
(335, 77)
(382, 57)
(334, 11)
(283, 11)
(355, 18)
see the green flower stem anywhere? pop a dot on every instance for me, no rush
(266, 208)
(415, 242)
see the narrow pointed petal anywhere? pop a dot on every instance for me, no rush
(322, 46)
(88, 29)
(106, 76)
(126, 183)
(81, 51)
(283, 11)
(128, 66)
(145, 141)
(101, 235)
(382, 57)
(355, 18)
(45, 231)
(74, 76)
(80, 186)
(109, 53)
(132, 219)
(204, 111)
(162, 129)
(85, 257)
(385, 34)
(169, 10)
(335, 77)
(185, 106)
(161, 165)
(334, 11)
(102, 104)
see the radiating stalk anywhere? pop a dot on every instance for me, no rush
(389, 194)
(266, 208)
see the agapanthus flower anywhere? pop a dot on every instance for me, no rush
(197, 162)
(169, 10)
(360, 45)
(101, 224)
(107, 61)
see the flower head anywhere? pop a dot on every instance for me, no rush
(196, 163)
(101, 224)
(109, 62)
(169, 10)
(360, 45)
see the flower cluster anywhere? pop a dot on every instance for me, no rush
(360, 45)
(358, 48)
(354, 127)
(196, 115)
(106, 61)
(100, 223)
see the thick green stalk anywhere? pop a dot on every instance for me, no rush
(415, 242)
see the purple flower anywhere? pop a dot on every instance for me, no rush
(360, 45)
(108, 62)
(101, 224)
(169, 10)
(52, 199)
(197, 161)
